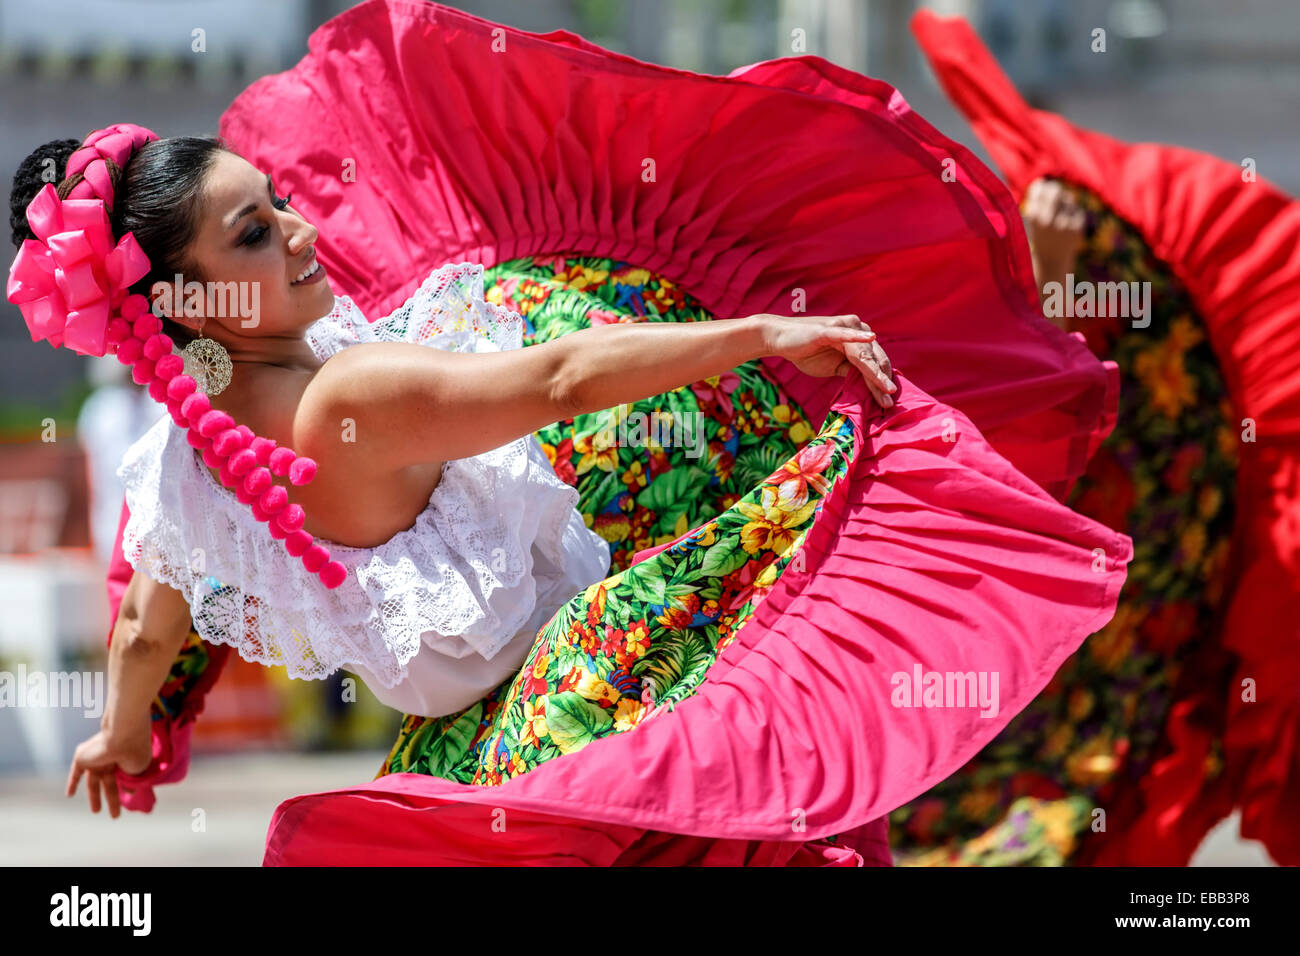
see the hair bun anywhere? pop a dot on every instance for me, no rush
(33, 173)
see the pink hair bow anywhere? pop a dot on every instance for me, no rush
(69, 280)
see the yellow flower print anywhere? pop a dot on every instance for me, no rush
(1081, 703)
(1162, 372)
(1209, 502)
(1111, 646)
(628, 713)
(1183, 333)
(1094, 763)
(594, 689)
(637, 641)
(1192, 542)
(598, 450)
(767, 577)
(540, 665)
(608, 584)
(580, 277)
(635, 476)
(977, 804)
(612, 528)
(799, 430)
(773, 524)
(631, 276)
(517, 764)
(708, 536)
(1060, 822)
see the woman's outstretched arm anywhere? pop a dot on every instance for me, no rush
(411, 404)
(151, 626)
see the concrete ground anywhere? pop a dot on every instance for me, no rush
(237, 794)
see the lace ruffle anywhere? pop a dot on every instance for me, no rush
(447, 311)
(500, 533)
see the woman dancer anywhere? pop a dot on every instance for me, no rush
(1154, 720)
(838, 549)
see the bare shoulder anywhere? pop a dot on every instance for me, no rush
(290, 407)
(376, 399)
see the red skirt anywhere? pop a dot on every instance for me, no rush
(1234, 243)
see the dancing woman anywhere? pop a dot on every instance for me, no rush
(756, 641)
(1185, 706)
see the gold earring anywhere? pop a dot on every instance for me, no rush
(208, 362)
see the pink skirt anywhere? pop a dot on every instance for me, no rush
(789, 186)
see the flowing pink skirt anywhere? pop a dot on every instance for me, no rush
(413, 134)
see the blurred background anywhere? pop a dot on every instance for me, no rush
(1218, 77)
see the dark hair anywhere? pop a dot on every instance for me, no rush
(157, 197)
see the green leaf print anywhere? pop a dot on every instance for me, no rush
(555, 629)
(450, 748)
(414, 748)
(674, 493)
(697, 655)
(723, 558)
(665, 661)
(647, 585)
(756, 464)
(572, 721)
(567, 657)
(556, 295)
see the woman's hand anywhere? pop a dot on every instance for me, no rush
(825, 345)
(100, 757)
(1054, 223)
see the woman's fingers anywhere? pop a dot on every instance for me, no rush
(110, 792)
(865, 362)
(886, 366)
(873, 359)
(74, 776)
(839, 334)
(862, 351)
(92, 790)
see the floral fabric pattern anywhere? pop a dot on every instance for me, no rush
(1165, 477)
(736, 504)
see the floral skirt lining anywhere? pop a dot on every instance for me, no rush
(1164, 476)
(735, 500)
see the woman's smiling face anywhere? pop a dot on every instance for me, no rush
(248, 235)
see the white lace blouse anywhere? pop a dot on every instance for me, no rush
(433, 618)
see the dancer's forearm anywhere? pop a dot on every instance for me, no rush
(151, 627)
(613, 364)
(410, 405)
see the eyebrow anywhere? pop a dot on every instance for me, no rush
(251, 207)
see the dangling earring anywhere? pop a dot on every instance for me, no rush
(209, 363)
